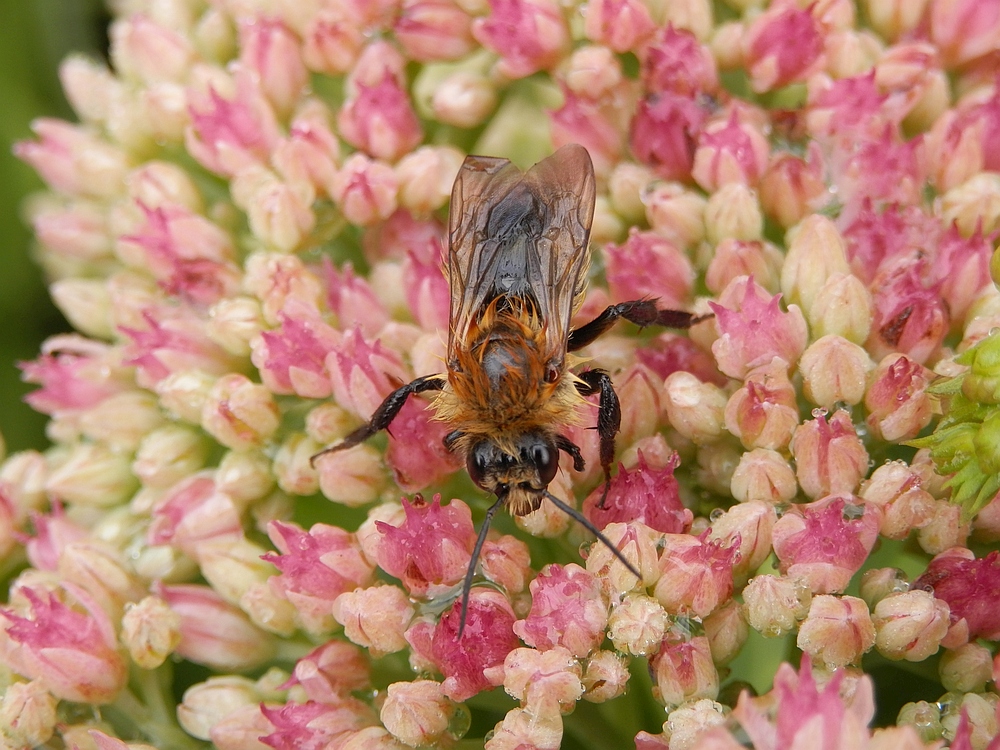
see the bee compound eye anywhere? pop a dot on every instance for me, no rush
(546, 461)
(476, 464)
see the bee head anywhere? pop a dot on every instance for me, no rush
(521, 478)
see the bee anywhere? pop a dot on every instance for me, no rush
(517, 267)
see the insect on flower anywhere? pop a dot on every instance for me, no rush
(517, 267)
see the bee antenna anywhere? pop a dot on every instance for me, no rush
(585, 522)
(471, 572)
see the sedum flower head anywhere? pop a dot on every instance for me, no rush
(247, 229)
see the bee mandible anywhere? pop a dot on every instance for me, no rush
(517, 266)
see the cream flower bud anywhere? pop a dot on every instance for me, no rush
(185, 393)
(748, 525)
(878, 583)
(974, 205)
(328, 423)
(240, 414)
(245, 476)
(834, 370)
(86, 304)
(98, 569)
(92, 475)
(687, 723)
(464, 99)
(910, 625)
(151, 631)
(816, 251)
(233, 567)
(269, 611)
(727, 630)
(843, 307)
(637, 625)
(695, 409)
(775, 604)
(233, 322)
(207, 703)
(426, 176)
(684, 672)
(763, 475)
(169, 454)
(353, 477)
(627, 187)
(966, 669)
(375, 618)
(837, 631)
(676, 213)
(292, 465)
(733, 212)
(122, 420)
(417, 713)
(945, 529)
(27, 714)
(605, 676)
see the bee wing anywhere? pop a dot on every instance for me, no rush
(521, 234)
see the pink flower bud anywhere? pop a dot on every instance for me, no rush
(241, 729)
(782, 45)
(897, 490)
(74, 373)
(316, 568)
(352, 477)
(696, 574)
(675, 61)
(593, 123)
(309, 155)
(829, 455)
(663, 133)
(826, 542)
(669, 353)
(648, 266)
(754, 330)
(362, 374)
(728, 152)
(834, 370)
(945, 529)
(416, 448)
(646, 493)
(544, 681)
(148, 52)
(792, 187)
(73, 161)
(270, 51)
(72, 653)
(963, 30)
(675, 213)
(417, 713)
(763, 475)
(637, 625)
(332, 41)
(151, 631)
(27, 714)
(279, 212)
(733, 258)
(897, 400)
(622, 25)
(53, 533)
(695, 409)
(431, 30)
(962, 264)
(843, 307)
(774, 605)
(485, 643)
(763, 413)
(727, 631)
(910, 625)
(375, 618)
(379, 120)
(227, 134)
(77, 231)
(430, 551)
(837, 631)
(684, 671)
(969, 586)
(427, 293)
(99, 570)
(529, 35)
(292, 358)
(747, 527)
(332, 671)
(240, 414)
(314, 724)
(567, 610)
(365, 190)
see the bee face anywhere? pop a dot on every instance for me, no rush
(520, 478)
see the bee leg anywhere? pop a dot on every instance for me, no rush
(642, 312)
(609, 418)
(474, 561)
(385, 413)
(563, 443)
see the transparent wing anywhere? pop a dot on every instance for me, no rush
(520, 234)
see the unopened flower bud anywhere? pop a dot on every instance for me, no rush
(733, 258)
(944, 529)
(151, 631)
(365, 190)
(729, 152)
(27, 714)
(245, 476)
(353, 477)
(240, 414)
(234, 322)
(792, 187)
(185, 393)
(416, 713)
(830, 456)
(974, 205)
(775, 604)
(727, 630)
(676, 213)
(375, 617)
(463, 99)
(637, 625)
(763, 475)
(834, 371)
(966, 669)
(748, 525)
(910, 625)
(695, 409)
(733, 212)
(842, 306)
(878, 583)
(168, 454)
(696, 574)
(86, 303)
(684, 671)
(837, 631)
(924, 718)
(206, 704)
(605, 676)
(894, 19)
(92, 475)
(816, 251)
(763, 413)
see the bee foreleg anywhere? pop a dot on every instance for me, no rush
(566, 445)
(474, 561)
(609, 418)
(642, 312)
(385, 413)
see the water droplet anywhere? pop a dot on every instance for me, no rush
(716, 514)
(460, 722)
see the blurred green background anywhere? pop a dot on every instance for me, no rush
(34, 36)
